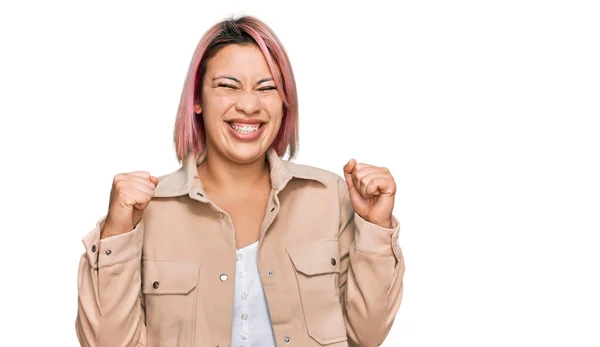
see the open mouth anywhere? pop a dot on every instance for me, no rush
(245, 128)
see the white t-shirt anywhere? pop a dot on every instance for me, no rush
(251, 322)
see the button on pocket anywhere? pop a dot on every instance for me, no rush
(170, 296)
(317, 277)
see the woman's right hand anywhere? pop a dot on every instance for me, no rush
(130, 195)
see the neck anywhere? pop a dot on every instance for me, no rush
(219, 174)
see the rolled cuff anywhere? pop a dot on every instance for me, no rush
(121, 248)
(114, 249)
(374, 239)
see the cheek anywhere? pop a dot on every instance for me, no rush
(225, 101)
(274, 107)
(215, 105)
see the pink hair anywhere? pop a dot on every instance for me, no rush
(245, 30)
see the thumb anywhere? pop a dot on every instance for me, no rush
(348, 169)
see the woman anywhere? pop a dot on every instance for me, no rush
(239, 247)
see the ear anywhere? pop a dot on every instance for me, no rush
(197, 108)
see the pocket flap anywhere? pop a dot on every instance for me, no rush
(315, 258)
(169, 277)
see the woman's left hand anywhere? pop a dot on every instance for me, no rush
(372, 190)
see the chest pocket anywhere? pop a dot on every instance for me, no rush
(317, 272)
(170, 297)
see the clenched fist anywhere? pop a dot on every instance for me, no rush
(372, 191)
(129, 196)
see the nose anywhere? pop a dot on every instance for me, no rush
(247, 102)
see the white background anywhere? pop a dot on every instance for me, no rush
(486, 112)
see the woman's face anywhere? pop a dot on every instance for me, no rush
(241, 107)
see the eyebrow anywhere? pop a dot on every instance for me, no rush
(264, 80)
(227, 77)
(238, 81)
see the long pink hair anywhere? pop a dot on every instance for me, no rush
(189, 128)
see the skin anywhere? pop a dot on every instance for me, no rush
(130, 194)
(372, 192)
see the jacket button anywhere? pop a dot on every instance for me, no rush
(333, 262)
(93, 248)
(108, 252)
(272, 209)
(155, 285)
(287, 339)
(223, 277)
(270, 272)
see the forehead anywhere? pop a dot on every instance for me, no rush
(239, 60)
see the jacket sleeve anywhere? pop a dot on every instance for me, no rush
(371, 275)
(110, 310)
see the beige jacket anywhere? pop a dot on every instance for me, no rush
(330, 277)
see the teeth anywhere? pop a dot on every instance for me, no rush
(244, 129)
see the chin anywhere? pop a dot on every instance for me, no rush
(244, 154)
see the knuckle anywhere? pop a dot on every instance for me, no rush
(120, 185)
(118, 177)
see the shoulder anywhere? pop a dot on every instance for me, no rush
(329, 179)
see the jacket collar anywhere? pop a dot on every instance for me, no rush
(185, 180)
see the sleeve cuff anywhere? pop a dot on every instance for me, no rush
(121, 248)
(114, 249)
(374, 239)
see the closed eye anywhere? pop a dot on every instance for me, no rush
(225, 85)
(263, 89)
